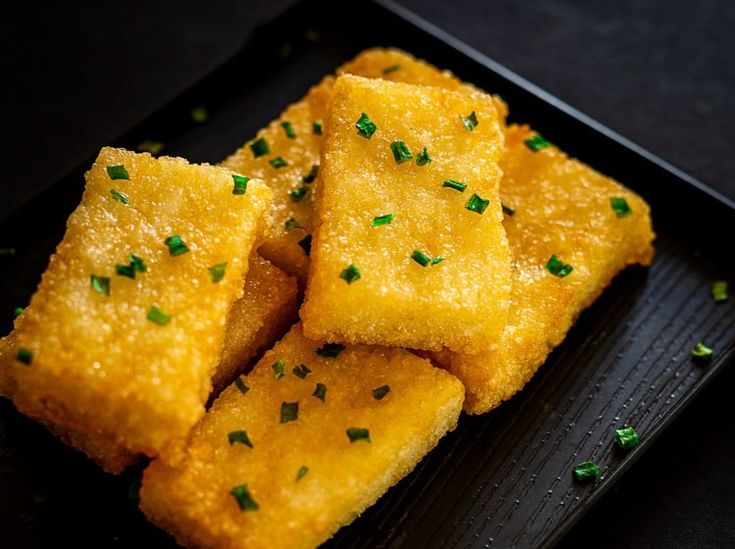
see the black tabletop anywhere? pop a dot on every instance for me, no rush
(75, 75)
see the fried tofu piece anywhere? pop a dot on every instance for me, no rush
(123, 335)
(294, 471)
(563, 208)
(438, 273)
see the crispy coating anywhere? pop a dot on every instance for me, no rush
(562, 207)
(264, 312)
(459, 303)
(100, 369)
(188, 493)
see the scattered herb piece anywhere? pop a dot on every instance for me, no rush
(288, 128)
(477, 204)
(719, 291)
(380, 392)
(278, 162)
(620, 206)
(243, 498)
(421, 258)
(291, 224)
(318, 127)
(423, 158)
(302, 472)
(507, 210)
(380, 220)
(117, 172)
(18, 311)
(557, 267)
(470, 121)
(158, 316)
(305, 244)
(626, 438)
(400, 152)
(320, 392)
(702, 352)
(456, 185)
(358, 433)
(365, 126)
(240, 384)
(438, 259)
(239, 436)
(311, 176)
(391, 68)
(278, 369)
(260, 147)
(330, 350)
(138, 264)
(176, 245)
(586, 471)
(241, 184)
(302, 370)
(350, 274)
(24, 356)
(217, 272)
(100, 284)
(289, 411)
(199, 114)
(119, 197)
(536, 142)
(153, 147)
(125, 270)
(297, 195)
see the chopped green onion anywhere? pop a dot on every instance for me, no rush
(423, 158)
(239, 436)
(620, 206)
(626, 438)
(24, 356)
(380, 220)
(158, 316)
(311, 176)
(289, 411)
(243, 498)
(153, 147)
(278, 162)
(260, 147)
(7, 251)
(119, 196)
(138, 264)
(302, 472)
(330, 350)
(18, 311)
(391, 68)
(477, 204)
(719, 291)
(438, 259)
(240, 384)
(350, 274)
(507, 210)
(297, 195)
(305, 244)
(702, 352)
(278, 369)
(175, 245)
(421, 258)
(288, 128)
(365, 126)
(357, 433)
(456, 185)
(318, 127)
(380, 392)
(199, 114)
(470, 121)
(557, 267)
(320, 392)
(302, 370)
(117, 172)
(537, 142)
(217, 272)
(100, 284)
(125, 270)
(585, 471)
(400, 151)
(291, 224)
(241, 184)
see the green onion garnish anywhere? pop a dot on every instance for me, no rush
(302, 370)
(243, 498)
(117, 172)
(330, 350)
(217, 272)
(289, 411)
(470, 121)
(365, 126)
(702, 352)
(100, 284)
(175, 245)
(199, 114)
(320, 392)
(291, 224)
(241, 184)
(507, 210)
(260, 147)
(278, 369)
(288, 128)
(119, 196)
(24, 356)
(297, 195)
(423, 158)
(400, 151)
(311, 176)
(380, 220)
(305, 244)
(318, 127)
(278, 162)
(719, 291)
(240, 384)
(421, 258)
(138, 264)
(456, 185)
(391, 68)
(380, 392)
(585, 471)
(537, 142)
(302, 472)
(18, 311)
(358, 433)
(350, 274)
(438, 259)
(239, 436)
(125, 270)
(153, 147)
(620, 206)
(477, 204)
(557, 267)
(626, 438)
(158, 316)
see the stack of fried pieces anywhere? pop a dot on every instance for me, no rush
(441, 255)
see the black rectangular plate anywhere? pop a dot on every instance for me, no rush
(501, 479)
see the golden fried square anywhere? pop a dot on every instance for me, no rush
(409, 248)
(301, 445)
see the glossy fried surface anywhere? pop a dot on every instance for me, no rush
(459, 302)
(188, 493)
(562, 207)
(100, 368)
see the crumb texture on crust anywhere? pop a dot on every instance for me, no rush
(187, 492)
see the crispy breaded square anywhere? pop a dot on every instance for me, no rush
(409, 252)
(123, 335)
(279, 462)
(562, 208)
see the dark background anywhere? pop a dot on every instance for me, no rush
(662, 73)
